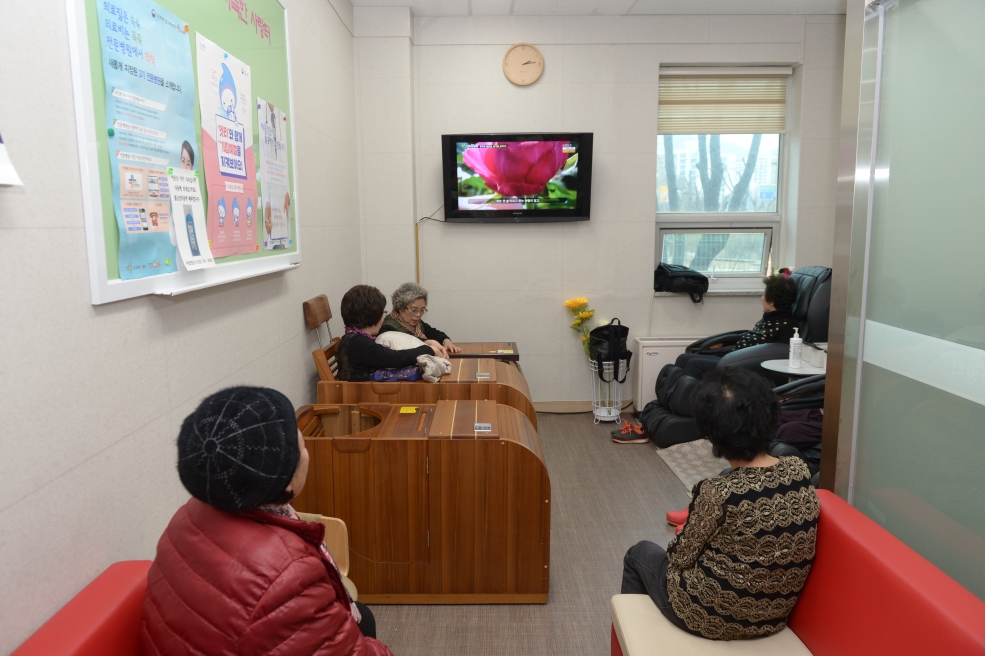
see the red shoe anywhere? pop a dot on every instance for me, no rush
(677, 529)
(677, 517)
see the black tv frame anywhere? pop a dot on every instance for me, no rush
(450, 182)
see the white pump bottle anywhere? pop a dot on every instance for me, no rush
(794, 354)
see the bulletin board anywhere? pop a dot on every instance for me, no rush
(106, 44)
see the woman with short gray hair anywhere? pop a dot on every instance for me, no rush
(410, 304)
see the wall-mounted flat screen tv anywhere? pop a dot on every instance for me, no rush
(517, 178)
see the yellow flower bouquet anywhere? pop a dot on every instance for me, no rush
(580, 308)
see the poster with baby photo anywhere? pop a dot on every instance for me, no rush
(273, 128)
(225, 104)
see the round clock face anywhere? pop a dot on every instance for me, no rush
(523, 64)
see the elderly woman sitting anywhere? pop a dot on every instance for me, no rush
(410, 304)
(736, 568)
(237, 571)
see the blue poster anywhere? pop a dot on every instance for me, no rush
(150, 121)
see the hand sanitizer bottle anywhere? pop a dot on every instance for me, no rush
(794, 354)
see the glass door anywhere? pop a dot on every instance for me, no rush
(915, 327)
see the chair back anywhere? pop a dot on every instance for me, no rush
(811, 307)
(326, 361)
(317, 313)
(869, 593)
(336, 538)
(104, 618)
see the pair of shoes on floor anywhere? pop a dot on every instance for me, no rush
(630, 434)
(677, 517)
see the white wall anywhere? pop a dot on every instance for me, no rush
(601, 76)
(91, 398)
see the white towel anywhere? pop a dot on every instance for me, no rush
(433, 366)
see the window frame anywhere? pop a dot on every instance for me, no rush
(730, 222)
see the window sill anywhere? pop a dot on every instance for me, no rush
(718, 292)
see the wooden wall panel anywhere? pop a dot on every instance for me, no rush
(483, 501)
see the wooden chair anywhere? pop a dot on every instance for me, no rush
(337, 542)
(317, 313)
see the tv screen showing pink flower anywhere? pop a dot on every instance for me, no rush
(523, 175)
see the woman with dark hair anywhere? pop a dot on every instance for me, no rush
(736, 567)
(359, 356)
(237, 571)
(776, 325)
(410, 305)
(187, 159)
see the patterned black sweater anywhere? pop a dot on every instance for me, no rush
(738, 565)
(773, 327)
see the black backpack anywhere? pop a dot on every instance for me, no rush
(680, 280)
(609, 344)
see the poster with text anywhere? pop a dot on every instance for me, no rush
(227, 149)
(189, 213)
(274, 175)
(150, 121)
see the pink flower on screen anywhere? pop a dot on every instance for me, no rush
(523, 168)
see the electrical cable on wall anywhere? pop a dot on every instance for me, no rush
(417, 251)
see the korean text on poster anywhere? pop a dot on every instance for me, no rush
(150, 123)
(189, 213)
(274, 175)
(227, 149)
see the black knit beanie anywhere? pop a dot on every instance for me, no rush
(239, 449)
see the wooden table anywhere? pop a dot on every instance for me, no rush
(446, 504)
(505, 351)
(471, 379)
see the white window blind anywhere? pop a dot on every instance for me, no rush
(721, 104)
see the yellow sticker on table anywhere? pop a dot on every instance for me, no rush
(503, 352)
(408, 410)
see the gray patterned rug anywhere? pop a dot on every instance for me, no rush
(692, 462)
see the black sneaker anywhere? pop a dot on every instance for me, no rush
(632, 438)
(630, 434)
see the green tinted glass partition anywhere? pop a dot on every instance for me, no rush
(916, 300)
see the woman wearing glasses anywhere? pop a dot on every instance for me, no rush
(410, 302)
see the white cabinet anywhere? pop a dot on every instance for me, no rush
(651, 354)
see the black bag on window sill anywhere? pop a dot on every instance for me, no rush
(680, 279)
(609, 344)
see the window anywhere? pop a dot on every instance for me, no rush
(719, 157)
(717, 172)
(723, 253)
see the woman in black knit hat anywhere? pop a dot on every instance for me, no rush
(236, 571)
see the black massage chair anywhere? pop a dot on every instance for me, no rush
(668, 419)
(810, 310)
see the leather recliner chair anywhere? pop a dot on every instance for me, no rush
(810, 310)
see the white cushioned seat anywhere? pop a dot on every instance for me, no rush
(643, 630)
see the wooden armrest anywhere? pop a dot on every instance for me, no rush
(318, 409)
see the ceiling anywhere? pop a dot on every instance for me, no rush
(607, 7)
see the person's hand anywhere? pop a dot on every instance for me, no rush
(716, 346)
(450, 347)
(437, 348)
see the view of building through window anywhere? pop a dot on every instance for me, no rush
(717, 172)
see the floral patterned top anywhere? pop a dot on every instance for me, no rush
(738, 565)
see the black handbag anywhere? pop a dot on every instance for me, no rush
(609, 344)
(680, 280)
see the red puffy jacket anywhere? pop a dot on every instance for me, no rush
(246, 583)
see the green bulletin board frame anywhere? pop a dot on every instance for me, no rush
(220, 22)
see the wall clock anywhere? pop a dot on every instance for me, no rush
(523, 64)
